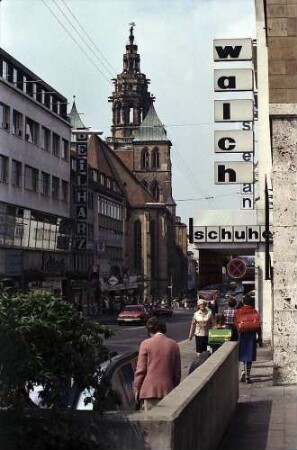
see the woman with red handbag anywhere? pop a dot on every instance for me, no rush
(247, 322)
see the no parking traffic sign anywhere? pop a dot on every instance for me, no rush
(236, 268)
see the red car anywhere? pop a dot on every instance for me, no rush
(133, 314)
(163, 310)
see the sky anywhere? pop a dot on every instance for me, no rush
(175, 42)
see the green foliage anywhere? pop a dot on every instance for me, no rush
(44, 340)
(49, 430)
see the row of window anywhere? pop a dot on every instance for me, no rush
(25, 127)
(108, 235)
(105, 181)
(108, 223)
(33, 88)
(98, 177)
(127, 114)
(109, 208)
(25, 228)
(150, 161)
(32, 179)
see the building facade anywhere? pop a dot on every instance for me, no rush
(281, 21)
(35, 233)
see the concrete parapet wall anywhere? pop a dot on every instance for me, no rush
(193, 416)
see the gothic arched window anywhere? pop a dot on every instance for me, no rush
(118, 113)
(145, 158)
(156, 190)
(137, 246)
(156, 158)
(131, 114)
(154, 244)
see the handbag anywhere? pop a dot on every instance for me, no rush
(219, 335)
(248, 322)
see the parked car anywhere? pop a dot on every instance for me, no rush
(118, 372)
(162, 310)
(133, 314)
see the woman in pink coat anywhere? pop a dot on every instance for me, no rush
(158, 368)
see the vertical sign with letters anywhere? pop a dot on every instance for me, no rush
(235, 110)
(81, 205)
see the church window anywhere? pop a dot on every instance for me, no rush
(153, 248)
(156, 190)
(137, 246)
(156, 158)
(131, 65)
(131, 112)
(145, 159)
(118, 113)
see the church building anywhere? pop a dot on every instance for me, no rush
(140, 140)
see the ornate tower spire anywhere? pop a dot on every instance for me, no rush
(131, 99)
(131, 60)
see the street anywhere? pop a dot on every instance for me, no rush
(129, 337)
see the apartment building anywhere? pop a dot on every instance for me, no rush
(34, 178)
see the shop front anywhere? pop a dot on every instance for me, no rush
(118, 292)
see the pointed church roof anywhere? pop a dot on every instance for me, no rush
(170, 201)
(74, 118)
(151, 128)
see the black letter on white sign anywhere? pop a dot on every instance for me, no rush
(227, 143)
(233, 52)
(226, 111)
(222, 172)
(227, 82)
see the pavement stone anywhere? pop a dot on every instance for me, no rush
(266, 415)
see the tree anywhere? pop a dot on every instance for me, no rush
(45, 341)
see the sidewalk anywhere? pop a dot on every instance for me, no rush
(266, 416)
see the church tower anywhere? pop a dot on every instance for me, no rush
(152, 162)
(138, 136)
(131, 99)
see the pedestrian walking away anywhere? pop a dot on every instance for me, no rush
(158, 369)
(229, 314)
(247, 322)
(201, 323)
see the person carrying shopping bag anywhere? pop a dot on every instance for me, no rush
(247, 322)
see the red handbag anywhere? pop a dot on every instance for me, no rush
(250, 321)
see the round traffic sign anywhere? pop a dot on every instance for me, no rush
(236, 268)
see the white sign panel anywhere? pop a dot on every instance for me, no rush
(232, 50)
(233, 110)
(229, 172)
(228, 234)
(233, 80)
(234, 141)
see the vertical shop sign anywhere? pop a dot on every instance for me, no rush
(235, 110)
(81, 225)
